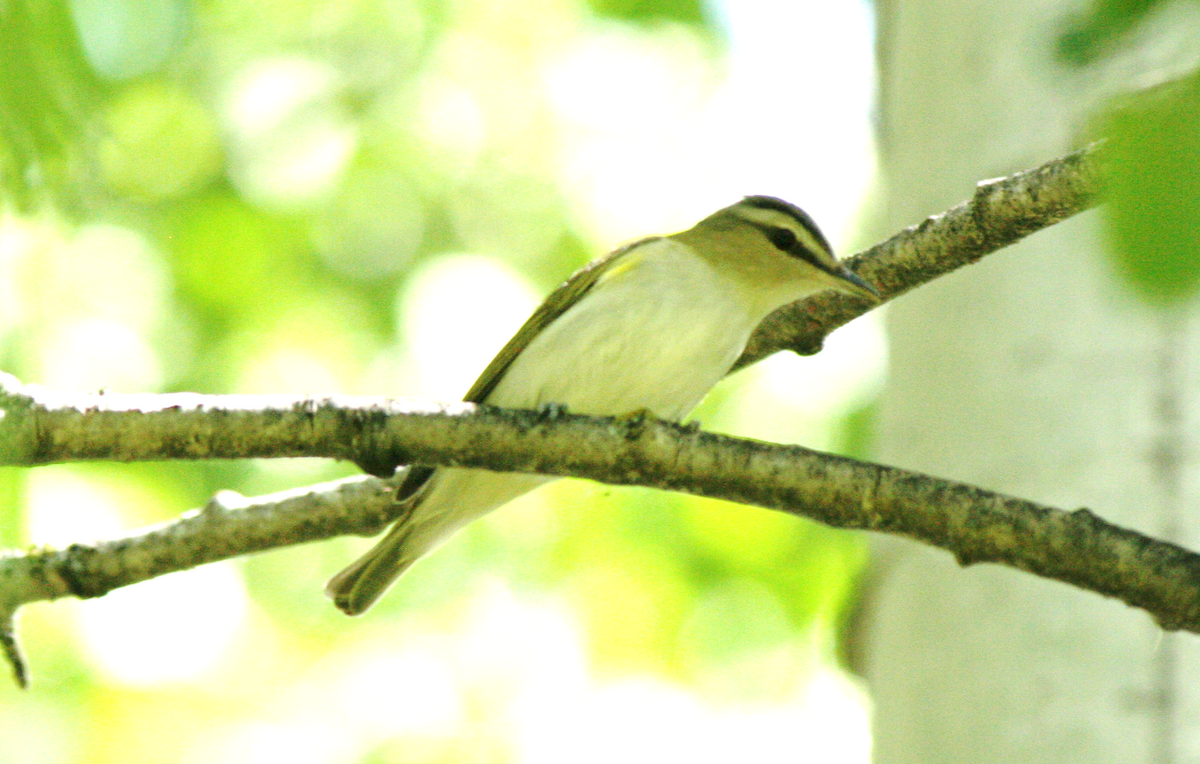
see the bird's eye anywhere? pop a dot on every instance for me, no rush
(782, 238)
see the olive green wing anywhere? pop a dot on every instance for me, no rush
(560, 300)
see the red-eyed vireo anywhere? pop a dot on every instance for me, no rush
(651, 326)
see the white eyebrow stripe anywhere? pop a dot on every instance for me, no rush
(776, 219)
(810, 242)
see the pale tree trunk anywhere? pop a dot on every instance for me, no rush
(1035, 373)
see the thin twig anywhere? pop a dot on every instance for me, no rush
(11, 647)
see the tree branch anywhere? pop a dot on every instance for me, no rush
(40, 427)
(974, 524)
(1002, 212)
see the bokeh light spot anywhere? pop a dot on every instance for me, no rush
(168, 629)
(456, 314)
(160, 142)
(290, 136)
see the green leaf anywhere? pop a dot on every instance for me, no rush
(1095, 32)
(651, 11)
(1153, 184)
(47, 94)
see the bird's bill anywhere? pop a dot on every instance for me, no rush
(851, 283)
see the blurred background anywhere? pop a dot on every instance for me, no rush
(370, 196)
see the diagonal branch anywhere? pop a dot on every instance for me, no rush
(1002, 212)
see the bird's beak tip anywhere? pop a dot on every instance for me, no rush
(859, 286)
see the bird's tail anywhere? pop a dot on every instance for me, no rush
(366, 579)
(431, 515)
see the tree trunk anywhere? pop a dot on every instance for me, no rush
(1038, 374)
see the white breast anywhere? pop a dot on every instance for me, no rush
(656, 333)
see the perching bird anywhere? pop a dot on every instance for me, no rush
(651, 326)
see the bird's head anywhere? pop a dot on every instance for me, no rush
(773, 245)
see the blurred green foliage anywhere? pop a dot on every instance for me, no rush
(1152, 170)
(1153, 184)
(232, 196)
(648, 11)
(46, 96)
(1094, 32)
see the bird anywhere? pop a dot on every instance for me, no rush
(649, 328)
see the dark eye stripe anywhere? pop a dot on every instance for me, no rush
(810, 257)
(781, 236)
(795, 213)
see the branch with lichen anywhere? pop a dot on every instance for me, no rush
(974, 524)
(1002, 212)
(42, 427)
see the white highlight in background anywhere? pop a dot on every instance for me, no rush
(289, 135)
(92, 305)
(64, 508)
(455, 315)
(167, 629)
(511, 677)
(650, 721)
(655, 139)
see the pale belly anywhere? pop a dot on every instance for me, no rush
(644, 340)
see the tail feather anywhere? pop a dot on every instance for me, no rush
(438, 508)
(365, 580)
